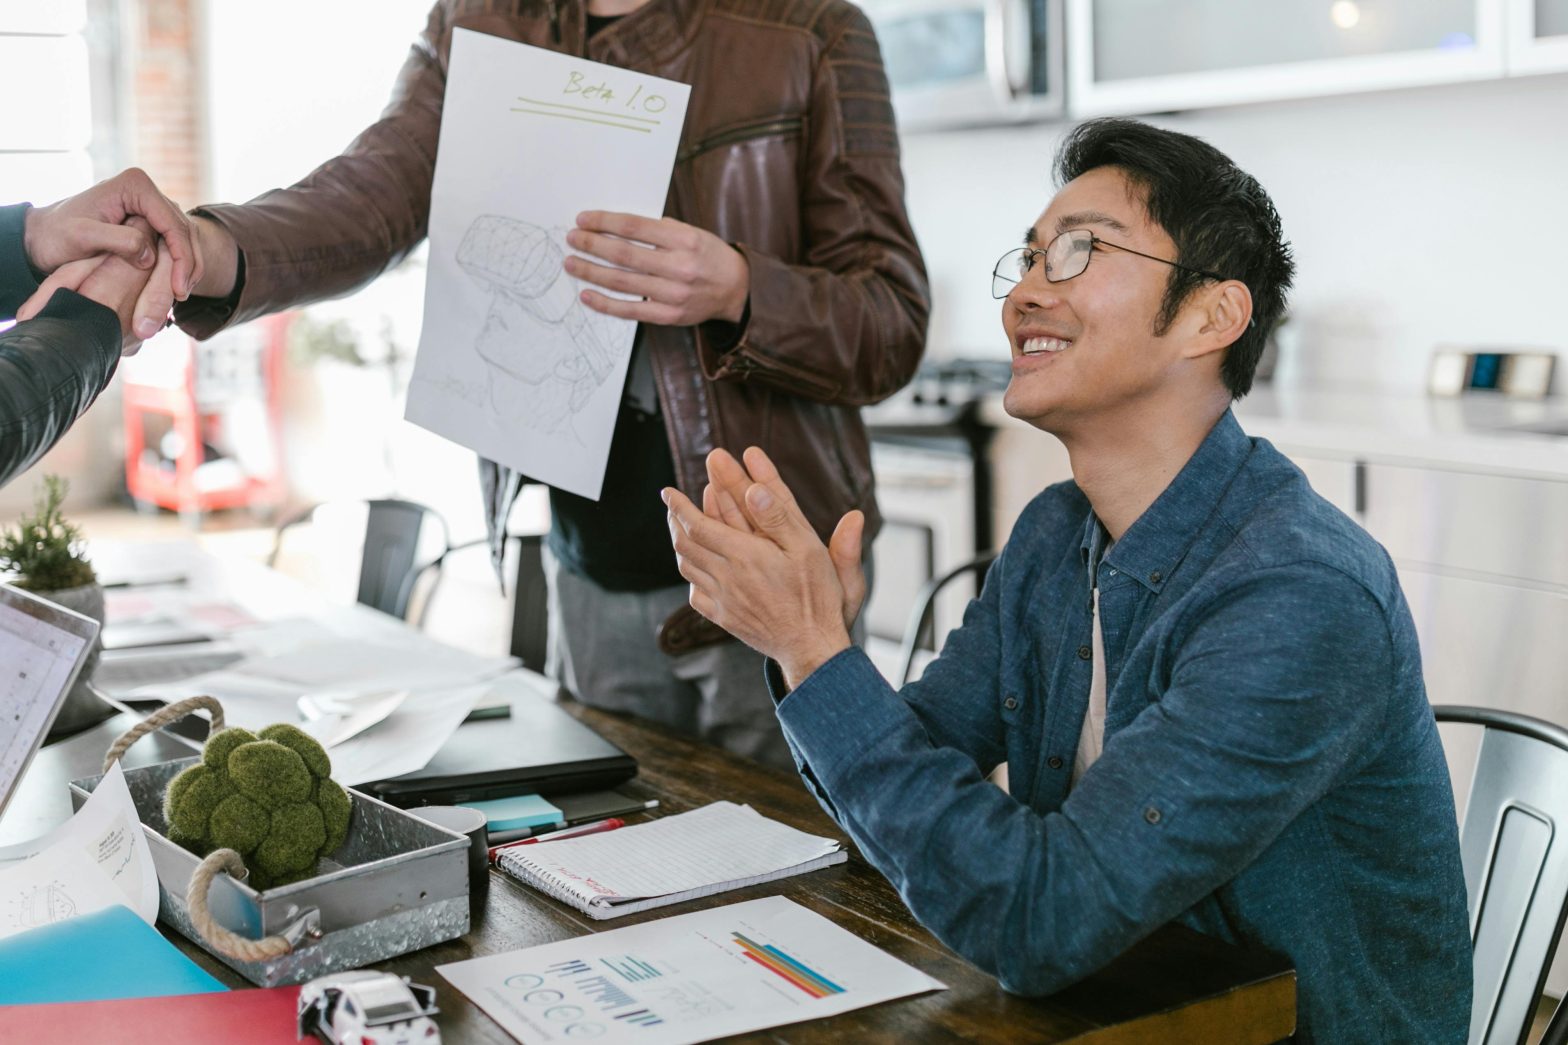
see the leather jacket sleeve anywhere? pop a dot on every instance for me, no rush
(845, 325)
(848, 324)
(54, 365)
(350, 219)
(51, 369)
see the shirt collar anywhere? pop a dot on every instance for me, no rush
(1157, 541)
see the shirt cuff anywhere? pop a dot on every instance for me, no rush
(722, 335)
(837, 713)
(100, 320)
(17, 279)
(203, 317)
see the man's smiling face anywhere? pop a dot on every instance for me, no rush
(1087, 344)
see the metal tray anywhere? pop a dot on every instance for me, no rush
(396, 884)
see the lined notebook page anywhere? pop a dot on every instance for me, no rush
(718, 843)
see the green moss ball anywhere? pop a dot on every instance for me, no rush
(239, 824)
(307, 747)
(267, 772)
(294, 843)
(199, 791)
(270, 798)
(221, 743)
(335, 810)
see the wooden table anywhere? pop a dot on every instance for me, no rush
(1176, 986)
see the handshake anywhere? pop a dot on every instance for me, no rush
(125, 245)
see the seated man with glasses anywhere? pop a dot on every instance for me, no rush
(1203, 678)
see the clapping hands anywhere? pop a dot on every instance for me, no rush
(758, 569)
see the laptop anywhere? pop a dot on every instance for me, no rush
(42, 650)
(539, 749)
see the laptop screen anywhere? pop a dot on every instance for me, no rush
(42, 647)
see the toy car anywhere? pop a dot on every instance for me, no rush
(368, 1008)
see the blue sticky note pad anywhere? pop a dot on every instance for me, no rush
(504, 814)
(107, 954)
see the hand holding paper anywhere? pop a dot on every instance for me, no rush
(685, 275)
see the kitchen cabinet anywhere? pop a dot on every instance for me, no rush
(1507, 527)
(1333, 477)
(1537, 40)
(1140, 56)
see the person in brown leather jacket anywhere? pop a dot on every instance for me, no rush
(785, 290)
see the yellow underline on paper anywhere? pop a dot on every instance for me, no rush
(584, 119)
(591, 112)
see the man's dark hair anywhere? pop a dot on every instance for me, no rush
(1217, 214)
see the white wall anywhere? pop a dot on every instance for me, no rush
(289, 85)
(290, 82)
(1419, 217)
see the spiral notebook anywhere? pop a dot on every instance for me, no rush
(709, 850)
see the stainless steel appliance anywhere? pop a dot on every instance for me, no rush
(930, 452)
(966, 62)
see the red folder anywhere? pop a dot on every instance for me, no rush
(264, 1016)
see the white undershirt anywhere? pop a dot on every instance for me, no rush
(1092, 738)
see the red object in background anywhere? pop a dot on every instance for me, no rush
(245, 364)
(264, 1016)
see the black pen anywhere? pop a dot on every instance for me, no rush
(150, 582)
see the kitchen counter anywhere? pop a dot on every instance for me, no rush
(1470, 432)
(1467, 433)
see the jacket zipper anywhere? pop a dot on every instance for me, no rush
(739, 134)
(805, 379)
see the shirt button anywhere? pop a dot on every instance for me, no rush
(1011, 703)
(1152, 815)
(1054, 762)
(1084, 652)
(1156, 577)
(1113, 571)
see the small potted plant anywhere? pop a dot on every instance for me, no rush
(44, 552)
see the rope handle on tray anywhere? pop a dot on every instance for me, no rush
(218, 938)
(218, 861)
(160, 718)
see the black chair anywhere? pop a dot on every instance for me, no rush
(1514, 847)
(390, 565)
(917, 634)
(530, 597)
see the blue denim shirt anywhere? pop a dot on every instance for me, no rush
(1271, 774)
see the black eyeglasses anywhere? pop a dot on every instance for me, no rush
(1065, 256)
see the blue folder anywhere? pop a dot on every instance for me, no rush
(107, 954)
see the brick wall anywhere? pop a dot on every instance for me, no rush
(166, 138)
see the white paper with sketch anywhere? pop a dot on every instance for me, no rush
(511, 363)
(98, 858)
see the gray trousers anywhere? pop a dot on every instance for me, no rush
(602, 650)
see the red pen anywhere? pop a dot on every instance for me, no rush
(566, 832)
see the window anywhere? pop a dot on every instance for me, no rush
(49, 140)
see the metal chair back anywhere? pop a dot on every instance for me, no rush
(920, 615)
(389, 561)
(1514, 847)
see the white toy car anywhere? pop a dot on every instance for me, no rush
(368, 1008)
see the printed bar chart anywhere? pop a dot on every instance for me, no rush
(796, 972)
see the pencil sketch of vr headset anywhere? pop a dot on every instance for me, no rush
(537, 330)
